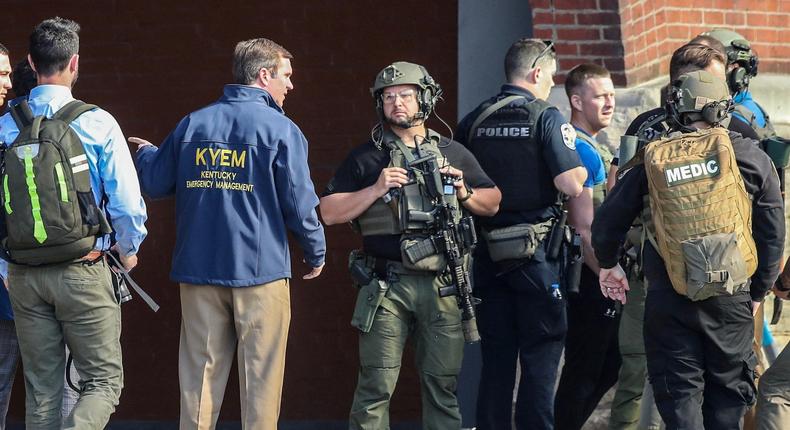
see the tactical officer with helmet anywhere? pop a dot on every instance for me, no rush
(528, 148)
(628, 407)
(396, 190)
(742, 65)
(714, 231)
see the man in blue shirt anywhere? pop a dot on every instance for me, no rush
(74, 302)
(592, 358)
(238, 169)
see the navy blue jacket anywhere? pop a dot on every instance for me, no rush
(238, 169)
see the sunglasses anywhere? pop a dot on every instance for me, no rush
(549, 48)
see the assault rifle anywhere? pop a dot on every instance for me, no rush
(454, 240)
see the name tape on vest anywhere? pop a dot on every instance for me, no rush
(692, 171)
(504, 132)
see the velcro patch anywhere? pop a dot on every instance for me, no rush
(691, 171)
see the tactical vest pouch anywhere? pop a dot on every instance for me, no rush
(515, 242)
(778, 149)
(714, 266)
(420, 253)
(379, 219)
(415, 209)
(700, 210)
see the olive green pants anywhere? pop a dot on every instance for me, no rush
(627, 404)
(773, 399)
(69, 303)
(411, 307)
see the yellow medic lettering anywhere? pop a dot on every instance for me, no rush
(220, 157)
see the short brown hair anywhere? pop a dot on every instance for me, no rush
(692, 57)
(250, 56)
(524, 55)
(579, 74)
(704, 39)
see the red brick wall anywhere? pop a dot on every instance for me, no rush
(652, 30)
(583, 31)
(150, 63)
(635, 38)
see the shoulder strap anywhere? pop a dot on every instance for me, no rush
(586, 138)
(491, 109)
(746, 113)
(22, 114)
(72, 110)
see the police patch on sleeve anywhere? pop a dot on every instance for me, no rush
(568, 136)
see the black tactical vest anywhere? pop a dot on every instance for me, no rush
(505, 145)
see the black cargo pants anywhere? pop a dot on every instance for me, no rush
(700, 359)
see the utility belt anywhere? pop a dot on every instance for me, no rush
(512, 246)
(373, 275)
(516, 242)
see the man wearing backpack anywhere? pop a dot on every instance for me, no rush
(711, 251)
(59, 280)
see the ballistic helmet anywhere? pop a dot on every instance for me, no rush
(405, 73)
(739, 51)
(699, 95)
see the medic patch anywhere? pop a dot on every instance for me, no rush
(568, 136)
(691, 171)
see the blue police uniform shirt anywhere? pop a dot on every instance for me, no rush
(591, 160)
(110, 164)
(745, 98)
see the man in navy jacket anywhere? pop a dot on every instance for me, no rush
(238, 169)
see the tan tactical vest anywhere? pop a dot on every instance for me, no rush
(701, 214)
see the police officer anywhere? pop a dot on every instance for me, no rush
(649, 126)
(701, 53)
(528, 149)
(592, 358)
(742, 65)
(383, 187)
(699, 355)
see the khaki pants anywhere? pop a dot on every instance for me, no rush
(773, 399)
(216, 321)
(72, 303)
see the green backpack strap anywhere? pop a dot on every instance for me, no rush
(22, 114)
(72, 110)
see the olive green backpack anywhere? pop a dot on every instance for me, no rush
(48, 206)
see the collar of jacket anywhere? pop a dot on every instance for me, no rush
(517, 90)
(244, 93)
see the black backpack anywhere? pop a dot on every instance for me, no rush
(48, 206)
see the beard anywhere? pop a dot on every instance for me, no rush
(408, 122)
